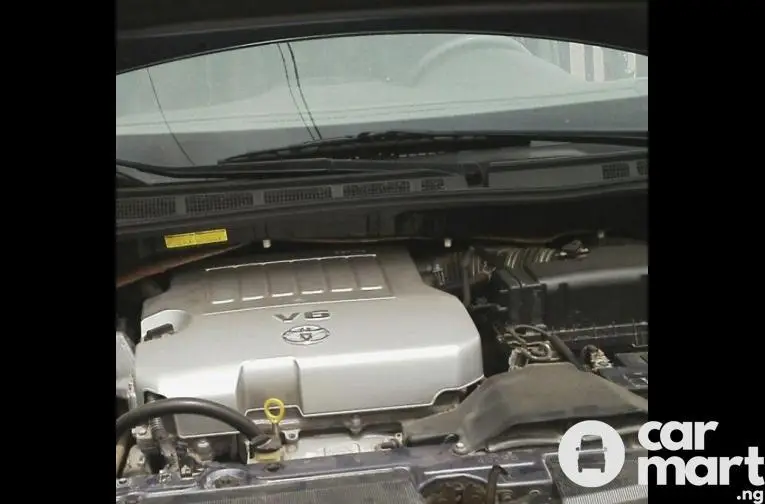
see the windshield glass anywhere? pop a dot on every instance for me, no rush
(199, 110)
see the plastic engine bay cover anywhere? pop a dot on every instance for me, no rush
(327, 334)
(530, 395)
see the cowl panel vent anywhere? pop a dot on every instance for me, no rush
(434, 184)
(135, 209)
(615, 171)
(204, 204)
(373, 189)
(298, 195)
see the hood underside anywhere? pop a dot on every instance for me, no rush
(152, 31)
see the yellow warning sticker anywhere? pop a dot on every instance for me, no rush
(195, 239)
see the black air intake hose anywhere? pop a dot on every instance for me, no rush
(517, 257)
(191, 406)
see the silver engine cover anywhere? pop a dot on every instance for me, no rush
(328, 335)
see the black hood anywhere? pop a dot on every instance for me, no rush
(151, 31)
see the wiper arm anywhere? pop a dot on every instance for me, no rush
(398, 143)
(283, 169)
(372, 153)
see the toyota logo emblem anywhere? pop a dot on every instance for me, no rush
(305, 335)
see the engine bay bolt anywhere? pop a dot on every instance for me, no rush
(459, 447)
(266, 244)
(204, 449)
(440, 276)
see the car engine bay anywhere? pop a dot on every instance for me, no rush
(271, 356)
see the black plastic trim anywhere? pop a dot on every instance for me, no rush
(415, 201)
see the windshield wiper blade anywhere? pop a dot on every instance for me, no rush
(399, 143)
(284, 169)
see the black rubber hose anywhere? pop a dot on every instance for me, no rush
(191, 406)
(467, 297)
(557, 344)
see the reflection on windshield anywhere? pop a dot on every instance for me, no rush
(201, 109)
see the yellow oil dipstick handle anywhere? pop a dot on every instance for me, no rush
(269, 405)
